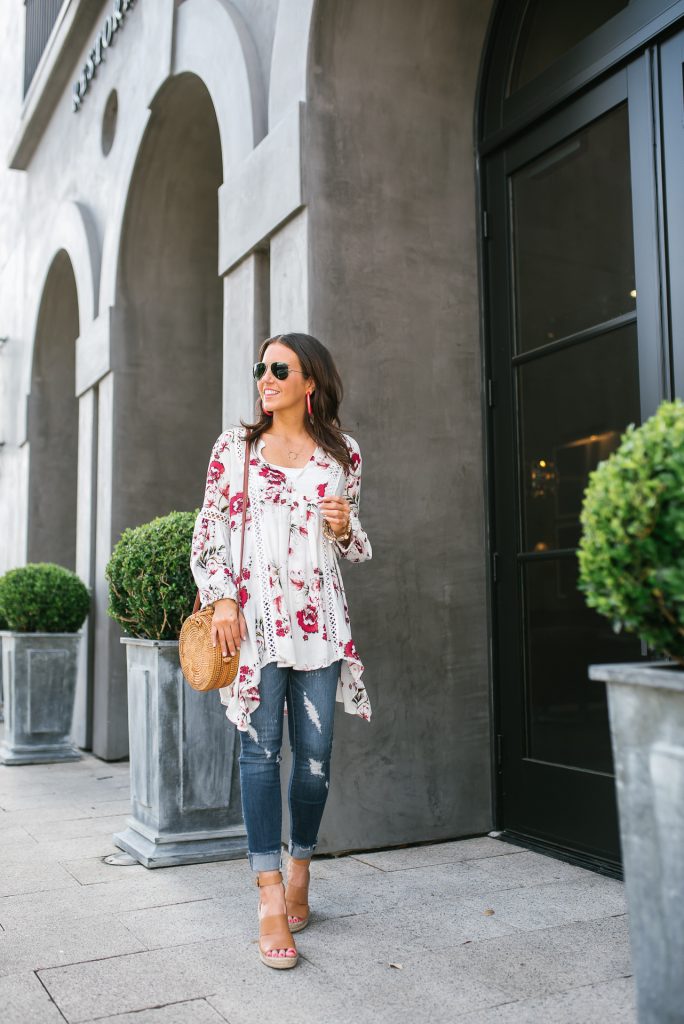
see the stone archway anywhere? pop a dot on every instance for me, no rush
(169, 310)
(163, 395)
(53, 421)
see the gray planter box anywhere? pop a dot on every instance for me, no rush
(646, 707)
(185, 788)
(39, 682)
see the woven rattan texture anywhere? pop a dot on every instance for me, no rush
(201, 663)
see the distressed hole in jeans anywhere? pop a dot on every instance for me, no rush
(316, 767)
(312, 712)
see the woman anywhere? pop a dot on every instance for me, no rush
(287, 614)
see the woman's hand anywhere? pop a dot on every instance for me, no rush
(336, 512)
(228, 626)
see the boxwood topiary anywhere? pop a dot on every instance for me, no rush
(151, 588)
(631, 552)
(42, 597)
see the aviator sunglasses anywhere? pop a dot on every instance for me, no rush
(279, 370)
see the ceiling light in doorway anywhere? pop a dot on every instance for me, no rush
(543, 478)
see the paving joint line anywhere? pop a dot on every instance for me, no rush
(144, 1009)
(49, 995)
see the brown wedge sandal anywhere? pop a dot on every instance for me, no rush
(296, 901)
(274, 932)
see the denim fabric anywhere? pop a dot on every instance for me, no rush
(310, 697)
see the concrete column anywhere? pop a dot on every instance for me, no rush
(86, 514)
(391, 213)
(290, 277)
(110, 707)
(245, 325)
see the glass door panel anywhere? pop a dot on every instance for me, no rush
(566, 716)
(574, 403)
(572, 234)
(550, 29)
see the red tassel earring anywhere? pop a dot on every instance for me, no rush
(308, 405)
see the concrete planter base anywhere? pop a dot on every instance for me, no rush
(159, 852)
(38, 755)
(185, 796)
(646, 708)
(39, 682)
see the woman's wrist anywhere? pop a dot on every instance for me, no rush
(331, 533)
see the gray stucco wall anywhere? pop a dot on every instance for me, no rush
(353, 218)
(393, 292)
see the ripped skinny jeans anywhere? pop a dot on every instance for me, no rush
(310, 697)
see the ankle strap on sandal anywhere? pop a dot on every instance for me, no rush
(274, 881)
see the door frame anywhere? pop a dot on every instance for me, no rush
(638, 81)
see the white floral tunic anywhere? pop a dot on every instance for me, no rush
(291, 593)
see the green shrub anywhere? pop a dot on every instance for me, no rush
(42, 597)
(151, 588)
(631, 553)
(3, 621)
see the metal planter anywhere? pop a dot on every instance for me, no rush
(39, 673)
(185, 787)
(646, 708)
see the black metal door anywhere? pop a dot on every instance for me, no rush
(576, 352)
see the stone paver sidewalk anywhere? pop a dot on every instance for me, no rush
(470, 932)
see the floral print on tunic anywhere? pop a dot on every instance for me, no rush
(291, 592)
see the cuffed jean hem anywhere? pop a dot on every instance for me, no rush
(300, 852)
(266, 861)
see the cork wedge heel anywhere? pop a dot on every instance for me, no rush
(274, 931)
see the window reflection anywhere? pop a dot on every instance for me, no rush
(574, 405)
(572, 234)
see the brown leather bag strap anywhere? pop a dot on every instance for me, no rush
(245, 499)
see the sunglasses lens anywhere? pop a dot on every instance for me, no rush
(280, 370)
(259, 370)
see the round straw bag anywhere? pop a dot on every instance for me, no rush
(201, 663)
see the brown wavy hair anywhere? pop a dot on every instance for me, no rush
(316, 362)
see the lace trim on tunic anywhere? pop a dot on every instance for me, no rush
(213, 513)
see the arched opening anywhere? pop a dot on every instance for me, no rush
(166, 342)
(53, 421)
(582, 329)
(169, 311)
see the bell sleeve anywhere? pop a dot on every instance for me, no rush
(357, 547)
(210, 559)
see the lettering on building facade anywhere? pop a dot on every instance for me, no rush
(103, 41)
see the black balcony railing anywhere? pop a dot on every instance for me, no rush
(41, 15)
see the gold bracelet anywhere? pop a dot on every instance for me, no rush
(346, 535)
(331, 535)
